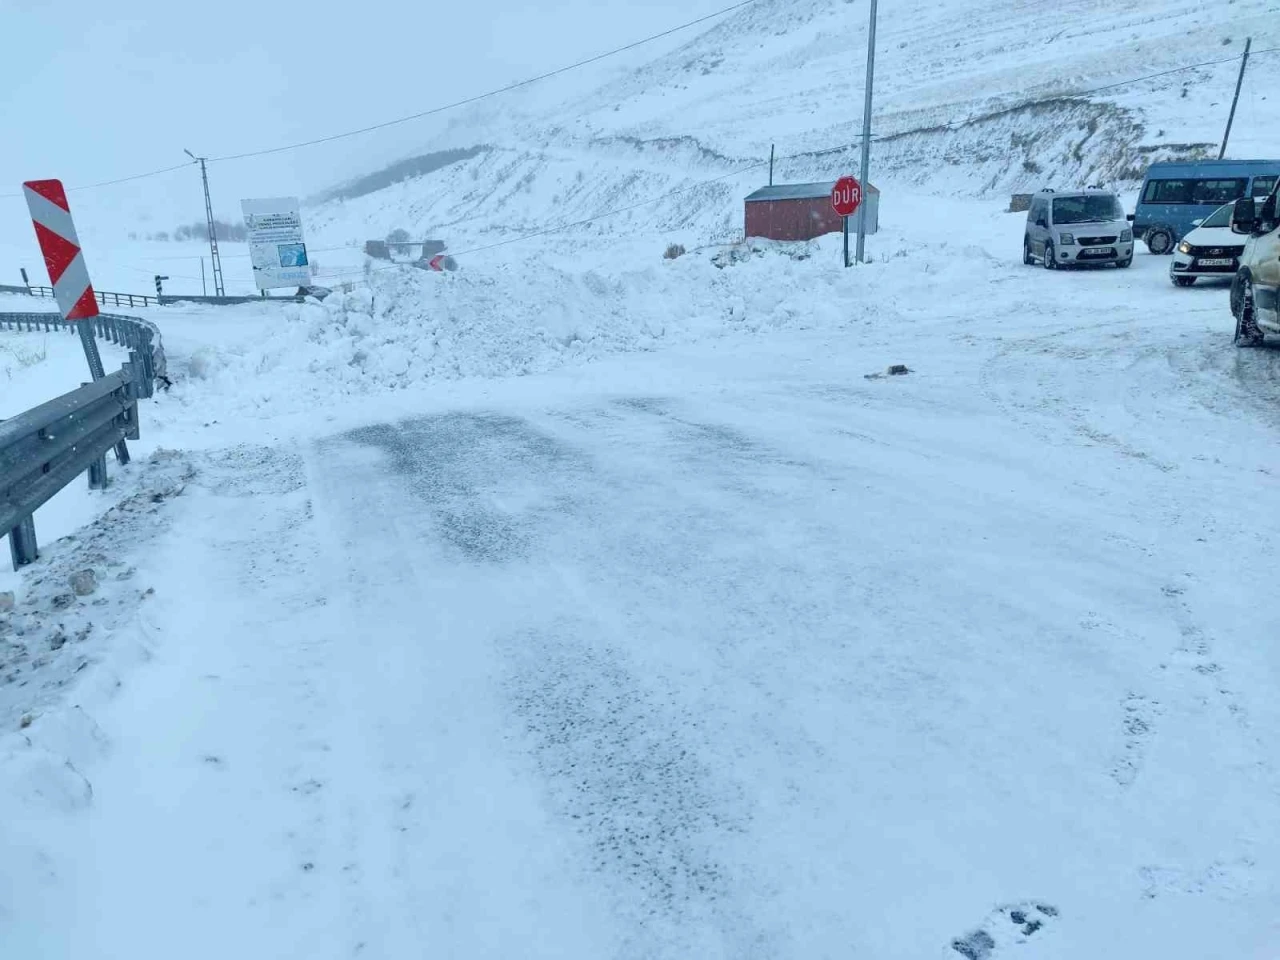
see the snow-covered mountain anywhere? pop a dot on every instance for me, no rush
(952, 114)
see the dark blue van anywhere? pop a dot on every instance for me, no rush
(1176, 196)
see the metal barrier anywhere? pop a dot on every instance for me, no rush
(44, 449)
(107, 298)
(133, 333)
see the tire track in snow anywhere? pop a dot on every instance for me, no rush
(622, 757)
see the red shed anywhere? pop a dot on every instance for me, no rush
(802, 211)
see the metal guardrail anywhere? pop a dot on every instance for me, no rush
(44, 449)
(133, 333)
(107, 298)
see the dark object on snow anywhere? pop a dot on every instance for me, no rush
(897, 370)
(377, 249)
(1020, 202)
(84, 583)
(976, 946)
(313, 291)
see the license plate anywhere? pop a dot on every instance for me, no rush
(1097, 251)
(1215, 263)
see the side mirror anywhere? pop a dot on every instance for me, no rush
(1042, 222)
(1245, 215)
(1129, 217)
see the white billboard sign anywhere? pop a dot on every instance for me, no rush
(276, 247)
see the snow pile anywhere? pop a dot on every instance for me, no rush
(411, 327)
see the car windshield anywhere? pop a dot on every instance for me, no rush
(1220, 217)
(1102, 208)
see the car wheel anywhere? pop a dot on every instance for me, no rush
(1247, 332)
(1159, 240)
(1183, 281)
(1027, 258)
(1050, 257)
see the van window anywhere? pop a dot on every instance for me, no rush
(1219, 191)
(1216, 192)
(1093, 208)
(1167, 191)
(1262, 187)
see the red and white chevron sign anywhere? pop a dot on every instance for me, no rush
(60, 245)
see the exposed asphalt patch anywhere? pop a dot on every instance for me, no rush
(476, 474)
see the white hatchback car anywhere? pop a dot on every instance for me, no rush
(1209, 252)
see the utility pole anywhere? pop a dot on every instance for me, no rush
(1236, 99)
(866, 138)
(218, 290)
(771, 164)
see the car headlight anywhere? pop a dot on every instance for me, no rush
(1126, 235)
(1185, 247)
(1067, 239)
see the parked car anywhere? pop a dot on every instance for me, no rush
(1255, 294)
(1077, 229)
(1175, 195)
(1209, 252)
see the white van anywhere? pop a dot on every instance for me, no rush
(1088, 227)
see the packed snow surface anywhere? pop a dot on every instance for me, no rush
(704, 637)
(587, 604)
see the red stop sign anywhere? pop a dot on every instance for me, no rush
(846, 196)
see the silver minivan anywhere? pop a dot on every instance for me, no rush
(1088, 227)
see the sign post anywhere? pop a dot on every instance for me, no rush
(60, 245)
(276, 247)
(63, 258)
(866, 128)
(846, 198)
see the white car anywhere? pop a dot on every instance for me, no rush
(1210, 251)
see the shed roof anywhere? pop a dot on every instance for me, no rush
(797, 191)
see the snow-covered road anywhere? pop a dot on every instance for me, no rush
(725, 651)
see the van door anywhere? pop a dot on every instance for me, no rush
(1036, 226)
(1266, 277)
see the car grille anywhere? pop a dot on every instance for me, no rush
(1095, 241)
(1217, 251)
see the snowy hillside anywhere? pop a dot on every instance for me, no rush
(950, 116)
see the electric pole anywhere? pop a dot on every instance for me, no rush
(1236, 99)
(218, 289)
(866, 138)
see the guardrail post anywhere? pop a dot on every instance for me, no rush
(98, 473)
(91, 349)
(22, 543)
(134, 368)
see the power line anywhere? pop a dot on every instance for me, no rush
(614, 52)
(434, 110)
(491, 93)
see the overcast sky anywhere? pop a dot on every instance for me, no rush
(93, 90)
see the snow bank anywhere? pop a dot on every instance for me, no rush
(409, 327)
